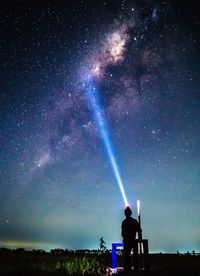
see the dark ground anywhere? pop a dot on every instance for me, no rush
(170, 264)
(47, 264)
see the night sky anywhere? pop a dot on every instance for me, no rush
(57, 186)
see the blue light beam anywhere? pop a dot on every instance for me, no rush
(101, 122)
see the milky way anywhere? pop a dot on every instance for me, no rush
(55, 178)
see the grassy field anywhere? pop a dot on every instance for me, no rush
(13, 263)
(48, 264)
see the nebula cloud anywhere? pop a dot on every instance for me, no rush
(110, 50)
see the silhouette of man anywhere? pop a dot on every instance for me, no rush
(130, 227)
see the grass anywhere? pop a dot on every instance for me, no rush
(88, 264)
(174, 262)
(41, 265)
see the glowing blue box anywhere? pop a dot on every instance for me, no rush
(114, 253)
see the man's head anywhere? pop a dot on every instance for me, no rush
(128, 212)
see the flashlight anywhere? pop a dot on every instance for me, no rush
(139, 217)
(138, 210)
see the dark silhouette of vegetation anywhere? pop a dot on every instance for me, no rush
(102, 245)
(86, 262)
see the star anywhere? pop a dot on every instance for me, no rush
(141, 58)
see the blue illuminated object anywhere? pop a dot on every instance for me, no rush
(100, 120)
(114, 254)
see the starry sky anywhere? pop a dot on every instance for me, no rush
(57, 185)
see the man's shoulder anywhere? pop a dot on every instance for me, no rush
(133, 220)
(124, 221)
(129, 220)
